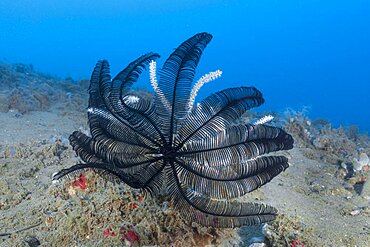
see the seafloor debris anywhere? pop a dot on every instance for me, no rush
(289, 231)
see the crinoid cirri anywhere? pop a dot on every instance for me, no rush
(199, 155)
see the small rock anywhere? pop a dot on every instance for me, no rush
(361, 162)
(355, 212)
(32, 241)
(49, 221)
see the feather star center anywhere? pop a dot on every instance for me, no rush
(168, 153)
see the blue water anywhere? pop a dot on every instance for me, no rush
(298, 53)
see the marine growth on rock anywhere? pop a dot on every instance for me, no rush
(197, 155)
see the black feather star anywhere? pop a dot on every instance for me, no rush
(199, 156)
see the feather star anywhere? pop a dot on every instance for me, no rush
(200, 157)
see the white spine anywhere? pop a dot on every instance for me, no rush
(153, 75)
(131, 99)
(203, 80)
(153, 81)
(264, 120)
(101, 113)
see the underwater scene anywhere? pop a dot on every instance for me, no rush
(185, 123)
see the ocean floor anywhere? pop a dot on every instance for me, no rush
(323, 198)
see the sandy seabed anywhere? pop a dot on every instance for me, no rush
(322, 198)
(316, 207)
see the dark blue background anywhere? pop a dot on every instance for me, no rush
(298, 53)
